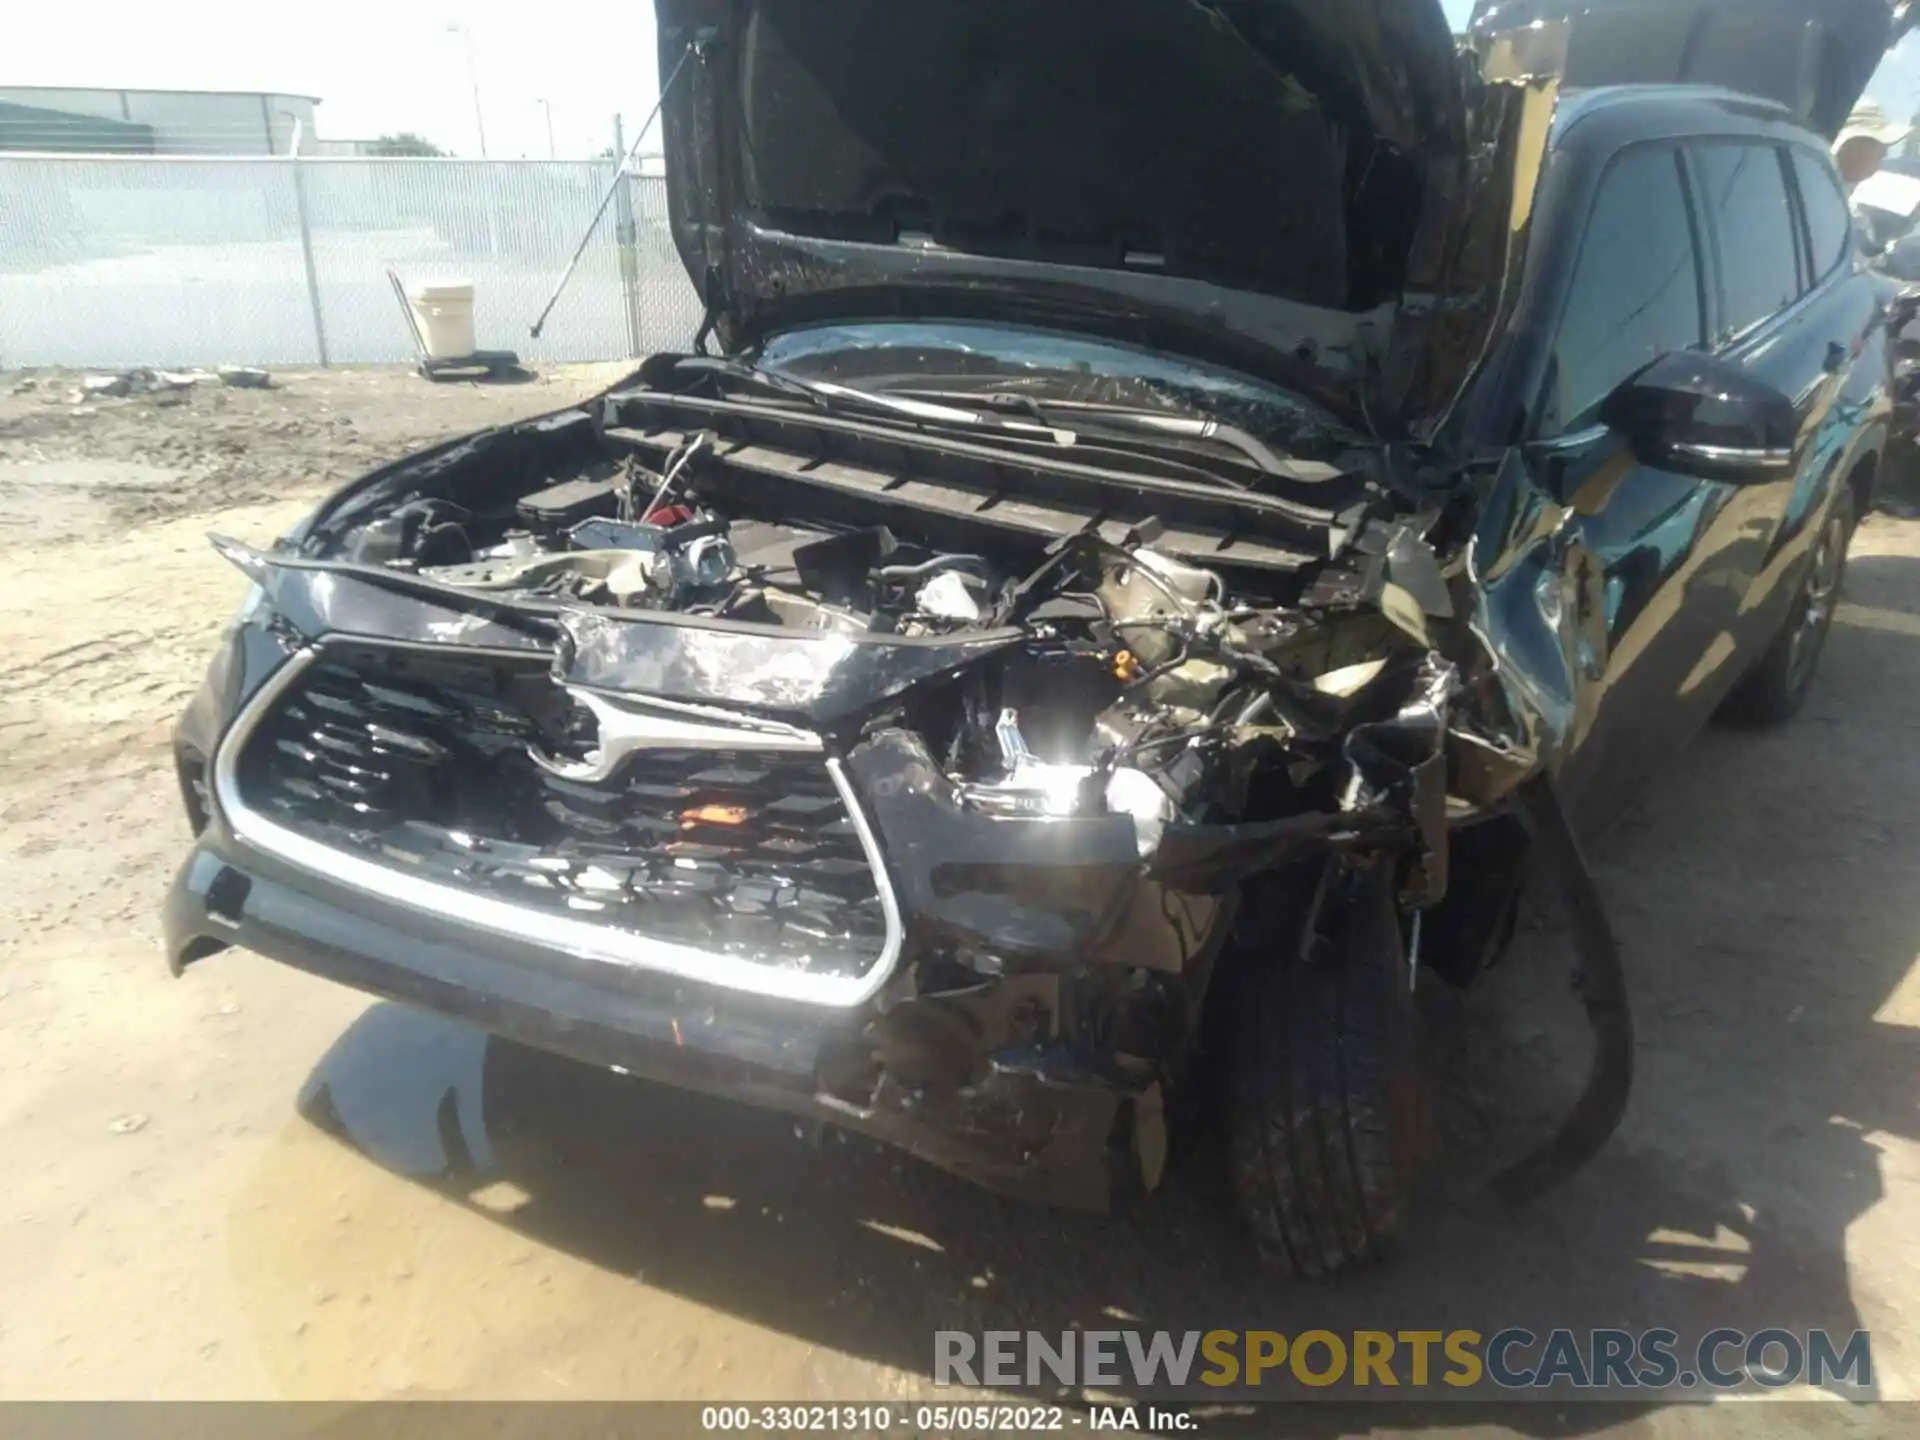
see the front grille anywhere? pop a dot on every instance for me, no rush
(419, 761)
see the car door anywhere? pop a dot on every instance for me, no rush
(1823, 352)
(1768, 315)
(1639, 289)
(1658, 565)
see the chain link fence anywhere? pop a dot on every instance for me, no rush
(108, 261)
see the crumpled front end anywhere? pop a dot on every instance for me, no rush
(857, 799)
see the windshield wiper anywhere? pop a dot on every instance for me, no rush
(1060, 423)
(828, 395)
(746, 375)
(1083, 416)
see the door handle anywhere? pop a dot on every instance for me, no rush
(1837, 357)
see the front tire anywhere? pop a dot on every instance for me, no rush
(1778, 686)
(1326, 1117)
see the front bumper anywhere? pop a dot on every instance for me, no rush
(1043, 993)
(966, 1080)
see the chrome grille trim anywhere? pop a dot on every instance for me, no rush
(626, 728)
(580, 938)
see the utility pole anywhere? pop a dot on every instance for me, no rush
(306, 240)
(624, 237)
(546, 106)
(473, 81)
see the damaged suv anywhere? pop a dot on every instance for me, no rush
(1171, 506)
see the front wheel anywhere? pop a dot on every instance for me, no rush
(1326, 1117)
(1778, 686)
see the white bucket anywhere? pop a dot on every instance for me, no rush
(443, 310)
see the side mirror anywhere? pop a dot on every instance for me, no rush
(1699, 415)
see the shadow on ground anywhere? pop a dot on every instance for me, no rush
(1764, 895)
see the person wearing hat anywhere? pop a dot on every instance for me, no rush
(1865, 141)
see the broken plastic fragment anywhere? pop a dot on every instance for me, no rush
(949, 596)
(1349, 680)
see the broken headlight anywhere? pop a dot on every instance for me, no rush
(1038, 789)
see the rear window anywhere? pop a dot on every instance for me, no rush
(1829, 225)
(1744, 190)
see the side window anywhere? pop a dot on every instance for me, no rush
(1744, 190)
(1829, 223)
(1635, 292)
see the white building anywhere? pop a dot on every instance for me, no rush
(158, 122)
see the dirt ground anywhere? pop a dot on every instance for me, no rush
(251, 1183)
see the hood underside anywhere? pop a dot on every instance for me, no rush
(1282, 186)
(1814, 56)
(1279, 147)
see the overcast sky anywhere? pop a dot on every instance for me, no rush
(378, 66)
(382, 66)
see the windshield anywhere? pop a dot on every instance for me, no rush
(967, 358)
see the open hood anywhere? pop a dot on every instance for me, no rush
(1814, 56)
(1151, 156)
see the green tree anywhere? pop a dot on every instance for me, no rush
(405, 143)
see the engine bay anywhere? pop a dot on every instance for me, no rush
(622, 535)
(1123, 673)
(636, 539)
